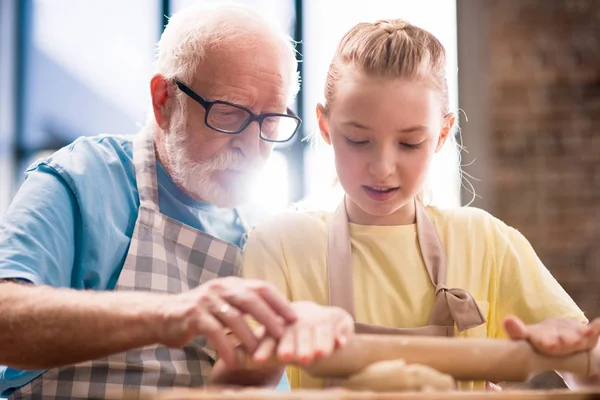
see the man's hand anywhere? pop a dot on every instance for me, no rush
(316, 333)
(555, 336)
(221, 304)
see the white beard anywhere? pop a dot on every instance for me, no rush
(196, 178)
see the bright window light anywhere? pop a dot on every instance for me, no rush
(271, 190)
(112, 52)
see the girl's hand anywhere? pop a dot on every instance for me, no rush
(555, 336)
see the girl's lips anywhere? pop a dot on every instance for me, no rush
(380, 193)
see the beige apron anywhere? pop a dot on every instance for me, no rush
(453, 306)
(165, 256)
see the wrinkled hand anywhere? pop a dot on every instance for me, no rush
(555, 336)
(317, 332)
(222, 303)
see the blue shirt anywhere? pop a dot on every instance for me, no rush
(71, 222)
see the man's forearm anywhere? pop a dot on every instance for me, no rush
(43, 327)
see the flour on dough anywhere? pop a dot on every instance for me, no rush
(396, 375)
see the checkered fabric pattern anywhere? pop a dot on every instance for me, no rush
(165, 256)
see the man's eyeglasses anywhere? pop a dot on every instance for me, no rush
(230, 118)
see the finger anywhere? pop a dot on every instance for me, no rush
(256, 307)
(589, 335)
(278, 302)
(214, 333)
(324, 340)
(572, 339)
(287, 343)
(515, 328)
(593, 328)
(548, 342)
(260, 332)
(233, 319)
(592, 341)
(265, 350)
(344, 330)
(595, 323)
(305, 344)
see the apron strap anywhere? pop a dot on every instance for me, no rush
(339, 262)
(144, 161)
(452, 305)
(431, 246)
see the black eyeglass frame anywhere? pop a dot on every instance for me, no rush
(208, 104)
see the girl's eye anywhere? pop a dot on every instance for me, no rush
(357, 142)
(411, 145)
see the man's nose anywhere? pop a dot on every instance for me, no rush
(248, 141)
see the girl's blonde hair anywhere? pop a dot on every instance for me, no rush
(390, 48)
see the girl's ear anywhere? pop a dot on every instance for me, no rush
(323, 123)
(449, 121)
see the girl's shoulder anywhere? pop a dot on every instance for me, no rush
(468, 220)
(296, 223)
(476, 232)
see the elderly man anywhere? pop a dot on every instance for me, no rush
(109, 250)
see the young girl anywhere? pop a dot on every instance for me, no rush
(396, 265)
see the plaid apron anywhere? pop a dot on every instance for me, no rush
(165, 256)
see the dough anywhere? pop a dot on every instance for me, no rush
(396, 375)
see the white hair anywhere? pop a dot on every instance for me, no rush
(193, 30)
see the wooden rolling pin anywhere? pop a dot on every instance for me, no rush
(494, 360)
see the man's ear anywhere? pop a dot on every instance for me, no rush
(449, 121)
(323, 123)
(159, 90)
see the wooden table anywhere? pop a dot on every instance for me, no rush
(338, 394)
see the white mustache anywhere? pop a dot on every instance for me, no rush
(227, 160)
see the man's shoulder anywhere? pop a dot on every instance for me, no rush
(91, 159)
(97, 170)
(89, 151)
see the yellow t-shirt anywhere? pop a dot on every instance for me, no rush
(489, 259)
